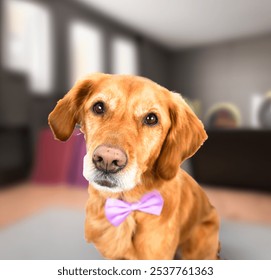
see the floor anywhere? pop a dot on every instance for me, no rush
(242, 205)
(23, 200)
(18, 202)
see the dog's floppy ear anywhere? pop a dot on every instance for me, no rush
(185, 136)
(66, 113)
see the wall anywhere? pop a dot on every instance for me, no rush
(230, 72)
(154, 62)
(152, 57)
(21, 108)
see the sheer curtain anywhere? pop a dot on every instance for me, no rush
(124, 56)
(27, 43)
(86, 50)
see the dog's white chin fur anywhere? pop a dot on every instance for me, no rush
(125, 180)
(106, 189)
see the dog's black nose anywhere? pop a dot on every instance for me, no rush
(109, 159)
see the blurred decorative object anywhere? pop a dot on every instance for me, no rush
(27, 43)
(223, 115)
(265, 112)
(86, 50)
(59, 163)
(256, 102)
(194, 104)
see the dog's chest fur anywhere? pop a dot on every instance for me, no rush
(112, 242)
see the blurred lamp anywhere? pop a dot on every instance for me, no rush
(265, 112)
(223, 115)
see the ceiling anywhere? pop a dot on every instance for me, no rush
(188, 23)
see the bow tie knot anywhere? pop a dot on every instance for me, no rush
(117, 211)
(134, 206)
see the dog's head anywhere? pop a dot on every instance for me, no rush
(132, 127)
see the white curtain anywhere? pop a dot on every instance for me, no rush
(86, 50)
(27, 43)
(124, 56)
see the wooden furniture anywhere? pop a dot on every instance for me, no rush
(240, 158)
(15, 133)
(15, 151)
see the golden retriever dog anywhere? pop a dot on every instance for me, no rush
(137, 134)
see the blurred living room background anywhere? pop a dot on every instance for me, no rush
(217, 54)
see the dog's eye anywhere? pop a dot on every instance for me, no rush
(151, 119)
(98, 108)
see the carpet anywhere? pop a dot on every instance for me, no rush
(58, 233)
(55, 233)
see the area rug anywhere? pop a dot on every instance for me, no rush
(58, 233)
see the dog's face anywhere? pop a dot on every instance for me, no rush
(132, 127)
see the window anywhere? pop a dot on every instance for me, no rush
(86, 50)
(124, 56)
(27, 44)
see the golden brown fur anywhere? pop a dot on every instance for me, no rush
(188, 222)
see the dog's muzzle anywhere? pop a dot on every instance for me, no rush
(108, 160)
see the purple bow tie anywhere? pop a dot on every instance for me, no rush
(116, 210)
